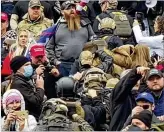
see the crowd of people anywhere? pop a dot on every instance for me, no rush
(82, 65)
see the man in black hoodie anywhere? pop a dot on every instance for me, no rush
(123, 101)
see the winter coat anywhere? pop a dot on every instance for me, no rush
(30, 122)
(122, 56)
(33, 96)
(155, 43)
(122, 100)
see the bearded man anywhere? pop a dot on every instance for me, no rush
(71, 34)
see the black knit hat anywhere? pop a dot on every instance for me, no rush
(145, 116)
(17, 62)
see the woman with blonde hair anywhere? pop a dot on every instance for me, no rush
(20, 47)
(141, 56)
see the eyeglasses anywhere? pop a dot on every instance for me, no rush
(145, 107)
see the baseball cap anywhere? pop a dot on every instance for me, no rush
(4, 16)
(154, 72)
(66, 4)
(111, 1)
(33, 3)
(146, 97)
(37, 50)
(86, 58)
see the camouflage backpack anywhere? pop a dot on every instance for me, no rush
(52, 118)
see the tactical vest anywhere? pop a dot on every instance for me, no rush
(123, 28)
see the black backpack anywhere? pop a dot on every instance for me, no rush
(105, 97)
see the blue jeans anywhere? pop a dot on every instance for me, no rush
(64, 68)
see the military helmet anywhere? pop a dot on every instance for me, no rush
(95, 78)
(65, 87)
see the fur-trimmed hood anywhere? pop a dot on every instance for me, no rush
(6, 94)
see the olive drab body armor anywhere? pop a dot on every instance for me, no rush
(117, 21)
(123, 28)
(51, 119)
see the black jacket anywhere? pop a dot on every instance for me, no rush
(95, 112)
(105, 65)
(33, 96)
(122, 100)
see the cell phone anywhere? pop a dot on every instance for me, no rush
(22, 113)
(139, 16)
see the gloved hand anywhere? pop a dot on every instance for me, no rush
(79, 110)
(76, 109)
(135, 23)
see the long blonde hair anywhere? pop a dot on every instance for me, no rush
(16, 49)
(141, 56)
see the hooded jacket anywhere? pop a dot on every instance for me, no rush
(30, 122)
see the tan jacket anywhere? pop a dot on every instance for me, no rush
(122, 55)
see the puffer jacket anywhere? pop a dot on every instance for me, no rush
(30, 122)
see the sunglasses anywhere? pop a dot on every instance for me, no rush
(145, 107)
(36, 7)
(3, 21)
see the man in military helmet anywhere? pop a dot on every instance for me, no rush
(117, 22)
(92, 57)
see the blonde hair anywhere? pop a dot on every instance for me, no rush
(16, 48)
(141, 56)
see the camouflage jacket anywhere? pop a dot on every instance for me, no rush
(35, 27)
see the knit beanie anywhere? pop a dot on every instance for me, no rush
(17, 62)
(145, 116)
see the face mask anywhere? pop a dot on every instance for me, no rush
(28, 70)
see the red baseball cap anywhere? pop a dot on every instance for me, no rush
(4, 16)
(37, 50)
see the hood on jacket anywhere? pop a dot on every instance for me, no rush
(8, 93)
